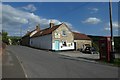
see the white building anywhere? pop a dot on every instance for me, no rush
(56, 37)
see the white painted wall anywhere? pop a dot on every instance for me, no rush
(63, 48)
(44, 42)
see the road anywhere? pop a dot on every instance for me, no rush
(46, 64)
(11, 66)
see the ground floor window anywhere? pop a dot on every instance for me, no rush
(64, 43)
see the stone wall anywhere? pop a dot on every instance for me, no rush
(80, 43)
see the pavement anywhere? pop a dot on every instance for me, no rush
(78, 54)
(85, 56)
(11, 66)
(46, 64)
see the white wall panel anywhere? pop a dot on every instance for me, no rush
(63, 48)
(44, 42)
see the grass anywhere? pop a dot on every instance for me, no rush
(116, 62)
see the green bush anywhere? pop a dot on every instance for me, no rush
(95, 45)
(5, 37)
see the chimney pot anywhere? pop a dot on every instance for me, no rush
(38, 27)
(28, 31)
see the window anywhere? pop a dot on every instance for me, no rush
(64, 33)
(57, 35)
(64, 43)
(71, 44)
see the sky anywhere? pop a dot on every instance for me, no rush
(91, 18)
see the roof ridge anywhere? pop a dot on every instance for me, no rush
(79, 33)
(79, 36)
(46, 31)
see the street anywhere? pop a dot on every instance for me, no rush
(11, 66)
(34, 63)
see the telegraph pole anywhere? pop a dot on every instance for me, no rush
(111, 31)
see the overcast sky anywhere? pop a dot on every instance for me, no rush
(91, 18)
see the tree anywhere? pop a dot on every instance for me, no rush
(117, 44)
(5, 37)
(0, 36)
(15, 40)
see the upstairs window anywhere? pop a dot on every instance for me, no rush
(64, 33)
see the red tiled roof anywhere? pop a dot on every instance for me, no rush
(80, 36)
(46, 31)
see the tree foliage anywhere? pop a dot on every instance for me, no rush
(15, 40)
(5, 37)
(96, 39)
(117, 44)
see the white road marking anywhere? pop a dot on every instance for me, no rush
(22, 67)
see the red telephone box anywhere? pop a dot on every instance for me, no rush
(105, 48)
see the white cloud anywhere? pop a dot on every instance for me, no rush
(116, 30)
(94, 10)
(114, 24)
(14, 19)
(76, 31)
(92, 20)
(107, 29)
(55, 21)
(69, 25)
(30, 7)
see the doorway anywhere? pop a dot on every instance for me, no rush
(56, 45)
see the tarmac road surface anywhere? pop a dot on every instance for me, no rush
(46, 64)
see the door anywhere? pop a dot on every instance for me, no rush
(75, 45)
(56, 45)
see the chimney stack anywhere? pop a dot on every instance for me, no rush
(28, 31)
(51, 23)
(38, 27)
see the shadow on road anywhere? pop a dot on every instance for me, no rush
(11, 67)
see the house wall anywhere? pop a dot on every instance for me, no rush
(80, 43)
(69, 38)
(43, 42)
(63, 48)
(25, 41)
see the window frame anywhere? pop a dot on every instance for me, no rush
(64, 33)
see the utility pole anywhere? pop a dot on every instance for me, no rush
(111, 31)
